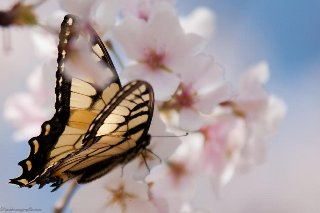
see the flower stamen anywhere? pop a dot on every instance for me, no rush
(178, 170)
(154, 60)
(119, 197)
(185, 97)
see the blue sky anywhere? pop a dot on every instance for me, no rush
(284, 33)
(290, 27)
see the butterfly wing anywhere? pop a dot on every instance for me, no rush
(78, 102)
(117, 135)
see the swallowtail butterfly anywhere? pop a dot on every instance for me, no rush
(94, 129)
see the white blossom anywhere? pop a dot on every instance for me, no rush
(201, 89)
(113, 193)
(144, 9)
(200, 21)
(236, 138)
(157, 56)
(28, 110)
(81, 8)
(262, 112)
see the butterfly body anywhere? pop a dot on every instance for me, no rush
(94, 128)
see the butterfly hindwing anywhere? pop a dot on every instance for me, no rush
(78, 102)
(116, 136)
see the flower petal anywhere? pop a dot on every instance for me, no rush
(200, 21)
(81, 8)
(128, 35)
(166, 185)
(209, 100)
(105, 21)
(190, 119)
(104, 195)
(157, 79)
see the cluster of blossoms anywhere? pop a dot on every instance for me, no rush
(227, 128)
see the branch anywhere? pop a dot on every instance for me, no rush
(64, 201)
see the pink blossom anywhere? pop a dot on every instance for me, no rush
(28, 110)
(113, 193)
(161, 205)
(104, 22)
(81, 8)
(157, 56)
(144, 9)
(175, 181)
(200, 91)
(45, 44)
(262, 112)
(235, 139)
(200, 21)
(223, 142)
(172, 181)
(176, 178)
(94, 13)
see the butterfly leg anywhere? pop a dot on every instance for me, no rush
(144, 160)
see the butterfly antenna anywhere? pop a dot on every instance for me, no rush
(170, 136)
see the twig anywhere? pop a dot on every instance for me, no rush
(64, 201)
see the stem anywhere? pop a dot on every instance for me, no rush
(64, 201)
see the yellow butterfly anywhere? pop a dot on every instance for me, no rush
(94, 129)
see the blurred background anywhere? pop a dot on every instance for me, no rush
(284, 33)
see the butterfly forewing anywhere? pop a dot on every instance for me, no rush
(117, 135)
(78, 102)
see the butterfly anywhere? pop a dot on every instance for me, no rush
(94, 129)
